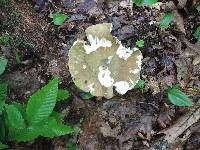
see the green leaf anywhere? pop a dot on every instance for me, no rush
(59, 18)
(138, 2)
(198, 8)
(178, 98)
(3, 146)
(41, 104)
(58, 116)
(21, 108)
(3, 64)
(17, 56)
(3, 94)
(15, 118)
(3, 126)
(23, 135)
(197, 32)
(144, 2)
(6, 40)
(140, 43)
(150, 2)
(166, 20)
(52, 128)
(63, 95)
(140, 84)
(72, 146)
(59, 129)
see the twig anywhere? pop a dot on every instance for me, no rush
(182, 124)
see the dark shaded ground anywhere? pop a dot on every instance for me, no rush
(124, 122)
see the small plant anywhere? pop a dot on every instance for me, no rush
(166, 20)
(21, 123)
(17, 56)
(6, 40)
(197, 32)
(140, 43)
(63, 95)
(198, 8)
(140, 85)
(144, 2)
(59, 18)
(178, 98)
(3, 64)
(4, 3)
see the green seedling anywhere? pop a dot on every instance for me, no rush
(198, 8)
(59, 18)
(26, 123)
(197, 32)
(144, 2)
(6, 40)
(140, 85)
(178, 98)
(17, 56)
(3, 64)
(5, 3)
(63, 95)
(140, 43)
(166, 20)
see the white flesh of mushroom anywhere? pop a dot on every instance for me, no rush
(104, 77)
(124, 52)
(96, 43)
(122, 87)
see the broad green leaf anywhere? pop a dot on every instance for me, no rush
(150, 2)
(3, 94)
(72, 146)
(140, 84)
(23, 135)
(140, 43)
(178, 98)
(166, 20)
(52, 128)
(41, 104)
(59, 129)
(21, 108)
(15, 117)
(3, 64)
(3, 126)
(197, 32)
(58, 116)
(63, 95)
(3, 146)
(59, 18)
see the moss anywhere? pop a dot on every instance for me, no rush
(6, 40)
(5, 3)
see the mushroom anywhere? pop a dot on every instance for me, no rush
(103, 63)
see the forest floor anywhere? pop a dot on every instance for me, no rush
(140, 119)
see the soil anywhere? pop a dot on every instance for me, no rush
(126, 122)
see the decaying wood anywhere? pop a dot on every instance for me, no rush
(194, 47)
(183, 124)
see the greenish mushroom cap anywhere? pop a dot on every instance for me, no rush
(102, 63)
